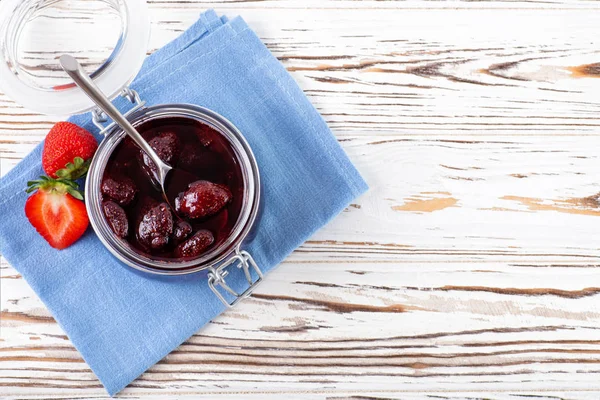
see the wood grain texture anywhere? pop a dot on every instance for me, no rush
(469, 270)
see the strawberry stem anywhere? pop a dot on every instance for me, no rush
(75, 170)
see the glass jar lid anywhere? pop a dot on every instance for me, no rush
(108, 37)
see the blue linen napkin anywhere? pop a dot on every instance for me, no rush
(121, 322)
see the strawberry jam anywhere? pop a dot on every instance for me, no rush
(205, 190)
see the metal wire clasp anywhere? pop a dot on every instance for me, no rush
(216, 277)
(99, 117)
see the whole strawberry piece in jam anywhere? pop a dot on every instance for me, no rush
(156, 227)
(206, 135)
(195, 245)
(202, 199)
(166, 146)
(56, 211)
(68, 150)
(181, 231)
(119, 188)
(116, 217)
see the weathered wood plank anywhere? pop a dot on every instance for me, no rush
(329, 5)
(436, 325)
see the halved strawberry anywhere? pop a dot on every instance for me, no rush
(56, 211)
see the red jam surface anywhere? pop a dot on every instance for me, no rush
(205, 188)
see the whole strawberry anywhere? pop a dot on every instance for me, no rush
(202, 199)
(68, 150)
(56, 211)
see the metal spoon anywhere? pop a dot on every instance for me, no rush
(82, 79)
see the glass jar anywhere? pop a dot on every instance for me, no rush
(216, 261)
(52, 92)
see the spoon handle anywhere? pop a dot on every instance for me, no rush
(81, 78)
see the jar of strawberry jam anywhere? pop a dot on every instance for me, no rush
(214, 151)
(207, 222)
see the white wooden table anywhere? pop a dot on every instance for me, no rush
(470, 269)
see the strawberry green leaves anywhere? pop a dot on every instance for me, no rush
(75, 170)
(60, 185)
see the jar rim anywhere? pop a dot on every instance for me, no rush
(251, 177)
